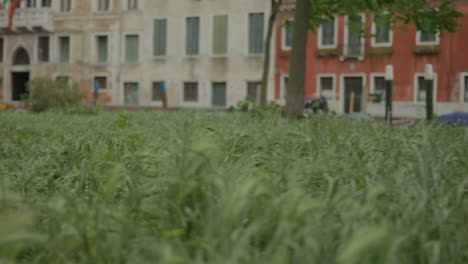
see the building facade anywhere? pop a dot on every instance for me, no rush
(208, 53)
(346, 68)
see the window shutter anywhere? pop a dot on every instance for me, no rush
(131, 48)
(220, 34)
(160, 35)
(256, 32)
(192, 38)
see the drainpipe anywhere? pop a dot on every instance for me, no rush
(119, 63)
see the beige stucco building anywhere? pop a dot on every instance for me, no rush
(208, 52)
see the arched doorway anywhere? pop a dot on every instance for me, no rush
(20, 73)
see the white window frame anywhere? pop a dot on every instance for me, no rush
(462, 87)
(282, 98)
(427, 43)
(96, 7)
(59, 7)
(57, 41)
(108, 82)
(283, 35)
(372, 83)
(247, 32)
(319, 86)
(94, 50)
(415, 88)
(374, 31)
(320, 37)
(59, 74)
(124, 44)
(212, 33)
(346, 36)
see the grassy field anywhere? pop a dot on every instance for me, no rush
(229, 188)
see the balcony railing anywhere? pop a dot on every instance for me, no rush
(31, 19)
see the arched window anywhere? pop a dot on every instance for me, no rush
(21, 57)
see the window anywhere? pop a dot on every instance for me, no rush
(46, 3)
(65, 6)
(287, 35)
(102, 46)
(160, 37)
(157, 92)
(43, 49)
(220, 34)
(256, 33)
(327, 34)
(426, 37)
(420, 88)
(31, 3)
(64, 49)
(132, 4)
(100, 82)
(103, 5)
(218, 94)
(131, 95)
(131, 48)
(1, 50)
(284, 87)
(464, 87)
(64, 79)
(193, 36)
(190, 92)
(354, 40)
(382, 31)
(378, 85)
(253, 91)
(326, 86)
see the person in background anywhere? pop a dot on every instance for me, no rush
(163, 88)
(96, 91)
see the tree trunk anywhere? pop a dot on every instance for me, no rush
(275, 5)
(296, 83)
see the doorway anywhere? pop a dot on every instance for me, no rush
(19, 84)
(353, 87)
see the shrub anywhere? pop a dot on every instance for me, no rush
(46, 94)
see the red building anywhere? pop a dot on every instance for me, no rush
(345, 67)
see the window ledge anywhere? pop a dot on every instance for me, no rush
(192, 57)
(332, 52)
(426, 50)
(381, 51)
(160, 57)
(255, 55)
(351, 57)
(222, 57)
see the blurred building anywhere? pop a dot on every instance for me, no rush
(210, 53)
(345, 67)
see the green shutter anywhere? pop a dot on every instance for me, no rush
(219, 94)
(102, 49)
(160, 36)
(256, 33)
(131, 51)
(192, 36)
(220, 34)
(64, 49)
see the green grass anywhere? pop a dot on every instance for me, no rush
(225, 188)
